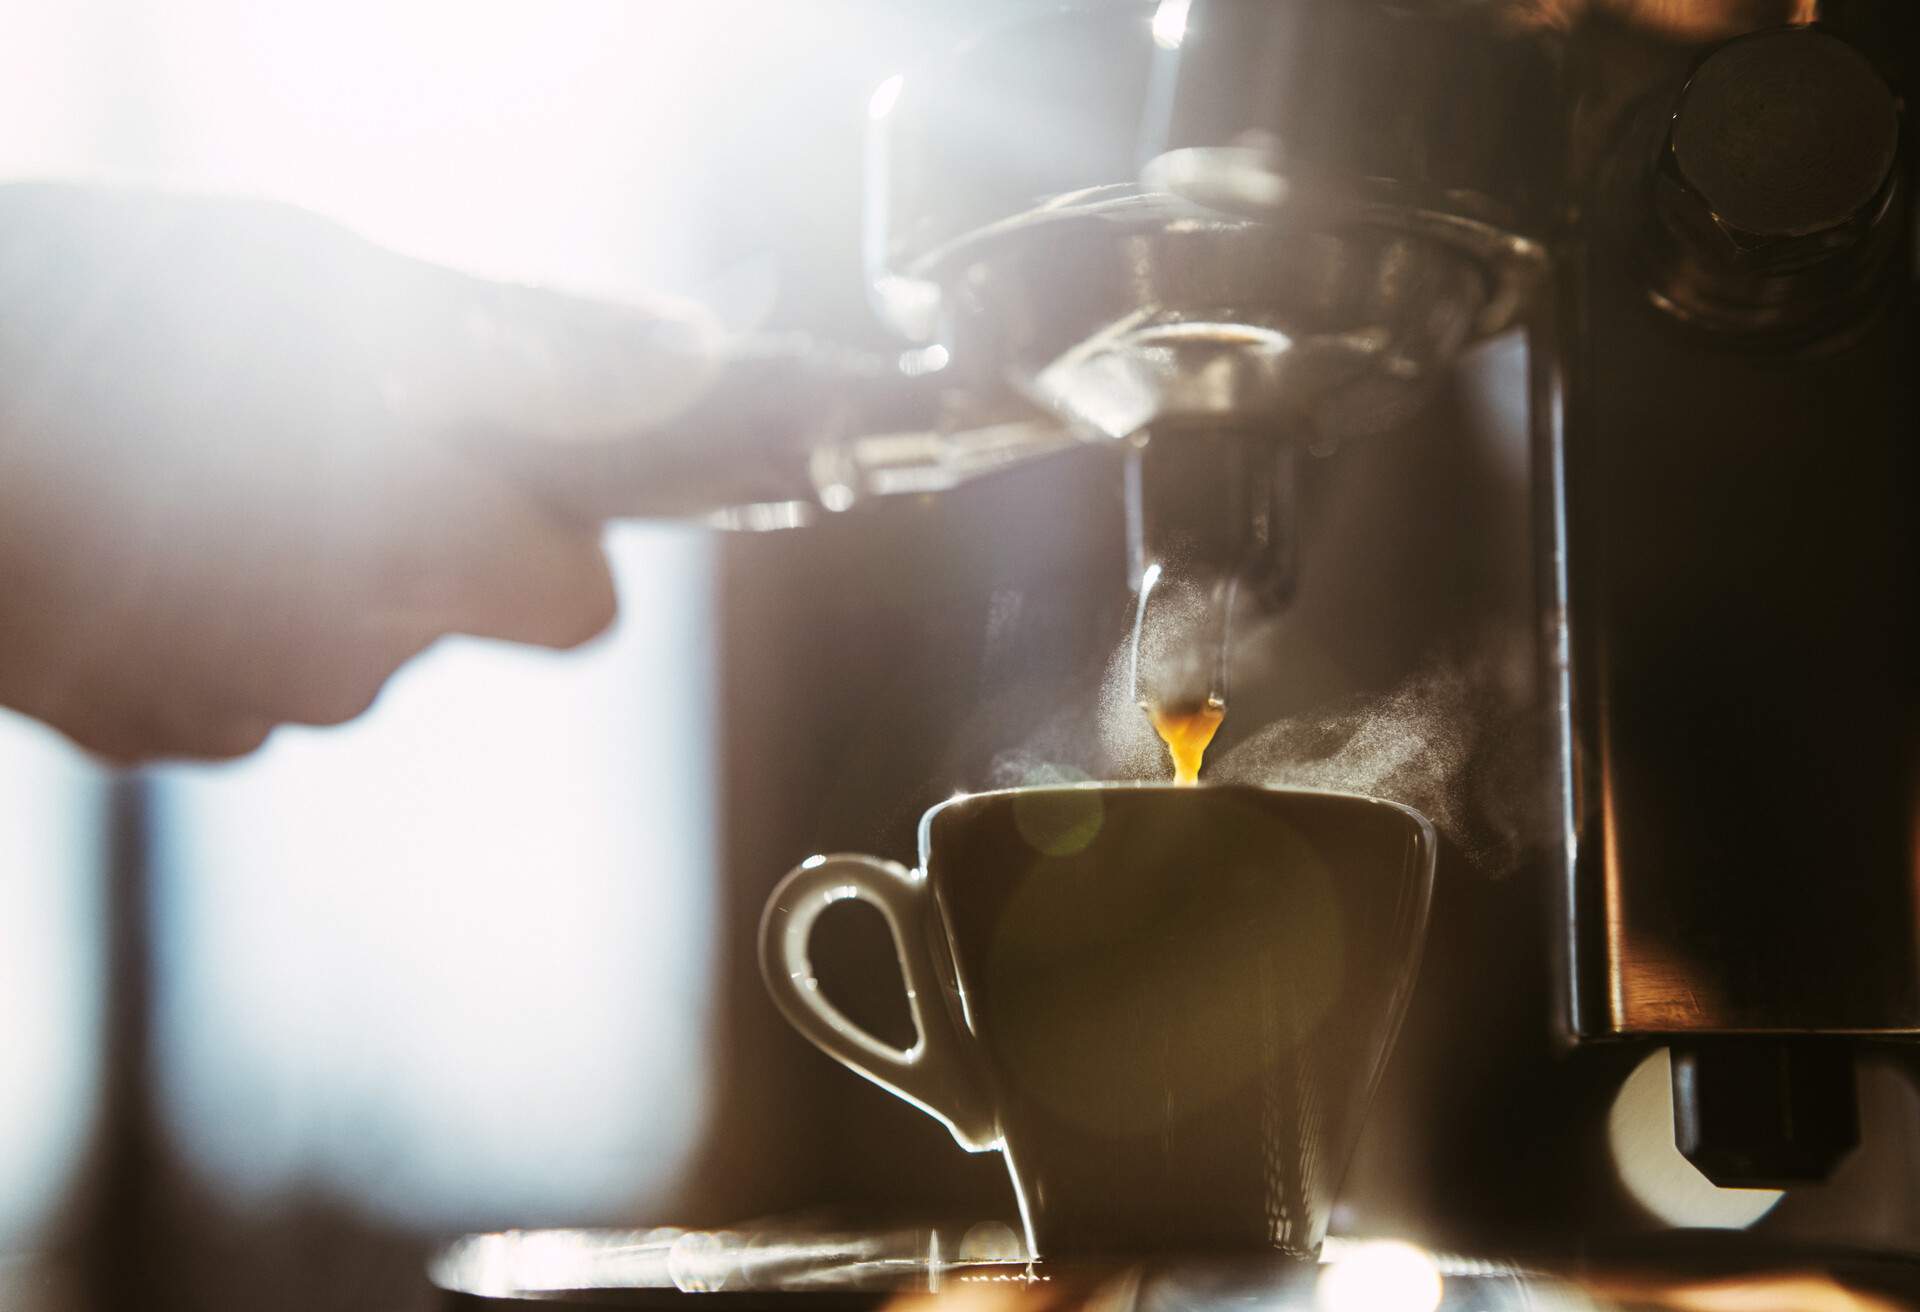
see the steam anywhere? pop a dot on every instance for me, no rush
(1463, 740)
(1410, 746)
(1449, 742)
(1457, 741)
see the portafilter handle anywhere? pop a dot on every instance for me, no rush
(752, 445)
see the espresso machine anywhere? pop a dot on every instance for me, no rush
(1504, 406)
(1696, 217)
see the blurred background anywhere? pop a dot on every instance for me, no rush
(271, 1028)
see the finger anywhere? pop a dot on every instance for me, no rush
(300, 675)
(483, 558)
(212, 736)
(122, 737)
(556, 590)
(276, 642)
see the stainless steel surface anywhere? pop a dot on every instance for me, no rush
(1743, 692)
(1211, 528)
(1211, 342)
(743, 441)
(793, 1264)
(780, 1259)
(1741, 554)
(1775, 196)
(789, 1258)
(1337, 198)
(1122, 310)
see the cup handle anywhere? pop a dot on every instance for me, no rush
(938, 1073)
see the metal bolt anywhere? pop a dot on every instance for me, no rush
(1780, 153)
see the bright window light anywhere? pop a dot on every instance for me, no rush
(451, 962)
(52, 814)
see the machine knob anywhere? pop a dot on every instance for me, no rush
(1774, 180)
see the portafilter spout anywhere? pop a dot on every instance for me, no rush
(1210, 536)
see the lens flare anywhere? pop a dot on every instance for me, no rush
(1384, 1275)
(1170, 23)
(885, 96)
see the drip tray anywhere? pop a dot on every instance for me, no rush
(801, 1268)
(791, 1267)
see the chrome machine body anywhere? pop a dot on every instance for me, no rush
(1228, 237)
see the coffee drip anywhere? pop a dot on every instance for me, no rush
(1187, 731)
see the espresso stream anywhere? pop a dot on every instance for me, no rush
(1186, 732)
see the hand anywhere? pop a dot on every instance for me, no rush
(232, 487)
